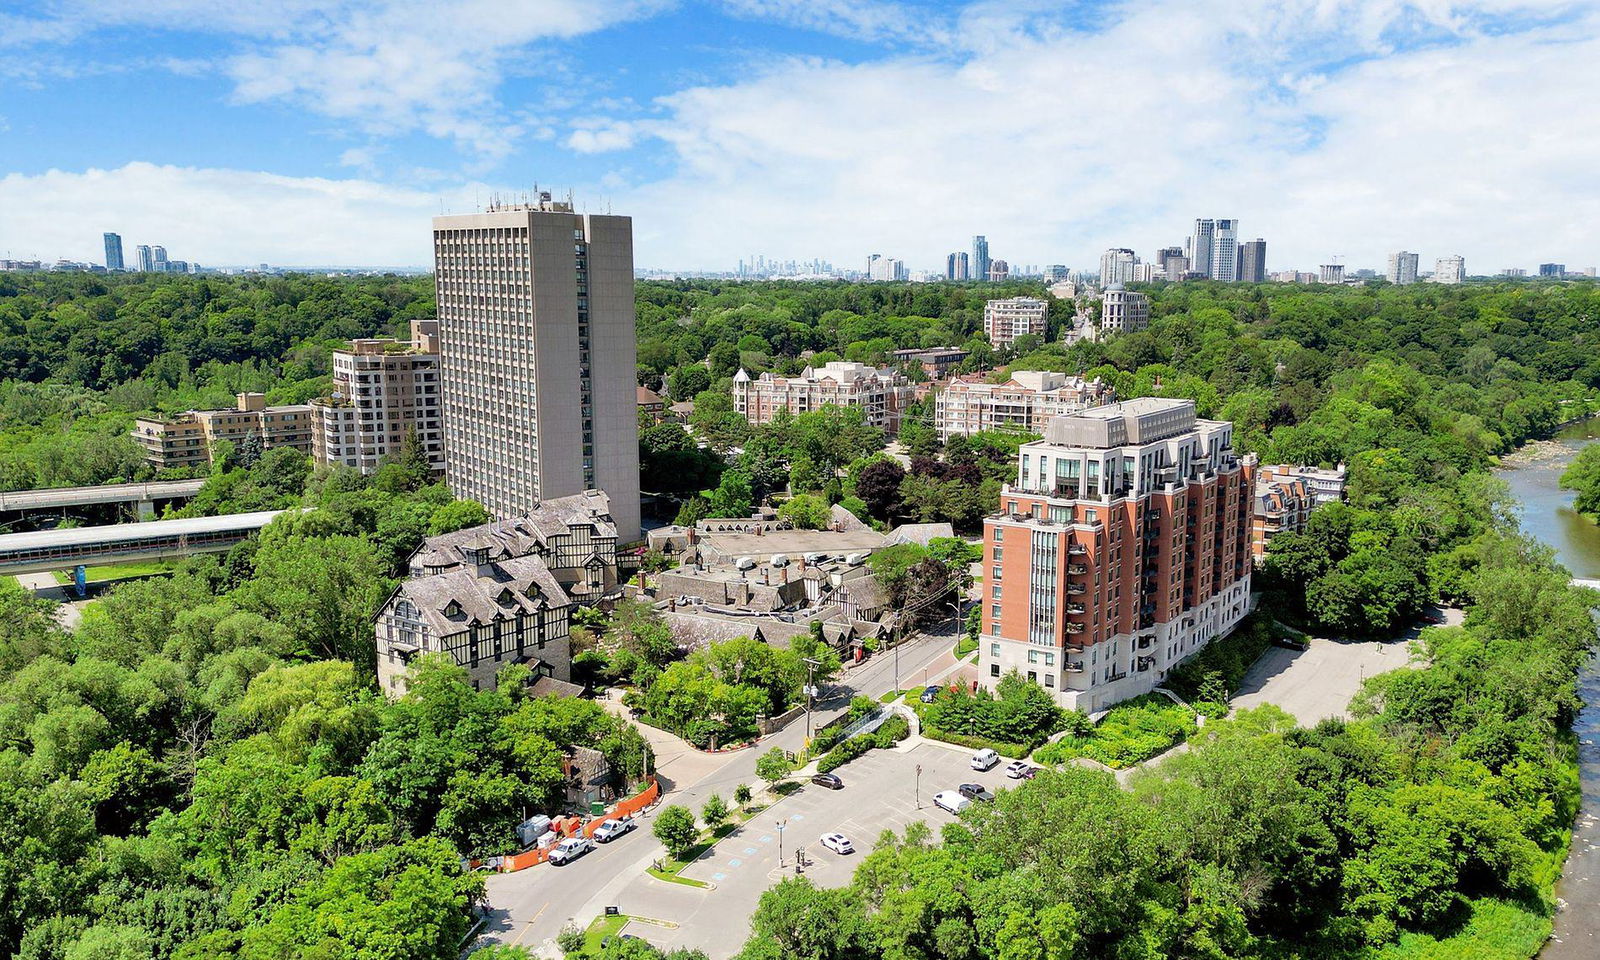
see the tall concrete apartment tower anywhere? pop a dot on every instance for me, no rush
(979, 267)
(1201, 244)
(113, 251)
(1252, 261)
(956, 266)
(1225, 251)
(536, 356)
(1402, 269)
(146, 259)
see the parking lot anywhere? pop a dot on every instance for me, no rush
(882, 792)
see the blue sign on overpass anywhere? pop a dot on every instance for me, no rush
(46, 550)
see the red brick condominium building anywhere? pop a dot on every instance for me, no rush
(1123, 548)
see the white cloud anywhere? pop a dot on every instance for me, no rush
(1443, 137)
(385, 66)
(603, 136)
(220, 217)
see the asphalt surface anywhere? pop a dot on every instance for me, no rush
(531, 906)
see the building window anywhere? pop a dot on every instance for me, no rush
(994, 669)
(1050, 680)
(994, 610)
(1033, 656)
(994, 649)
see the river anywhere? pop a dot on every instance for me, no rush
(1546, 513)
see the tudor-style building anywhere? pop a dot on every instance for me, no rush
(501, 593)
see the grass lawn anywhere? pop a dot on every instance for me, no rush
(672, 867)
(599, 930)
(892, 696)
(1494, 930)
(965, 646)
(117, 572)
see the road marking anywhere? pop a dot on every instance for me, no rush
(719, 876)
(749, 851)
(766, 838)
(734, 863)
(530, 923)
(798, 816)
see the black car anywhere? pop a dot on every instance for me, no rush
(828, 780)
(975, 791)
(929, 692)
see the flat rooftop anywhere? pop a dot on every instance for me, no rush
(793, 542)
(122, 532)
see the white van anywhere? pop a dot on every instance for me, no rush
(985, 759)
(951, 800)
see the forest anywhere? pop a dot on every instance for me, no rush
(204, 769)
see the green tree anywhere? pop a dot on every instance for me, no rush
(714, 812)
(675, 828)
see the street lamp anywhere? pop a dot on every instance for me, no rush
(918, 788)
(809, 687)
(781, 825)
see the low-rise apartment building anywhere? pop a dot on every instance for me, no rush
(501, 593)
(881, 394)
(1006, 320)
(383, 390)
(1026, 402)
(1121, 550)
(189, 439)
(1285, 495)
(939, 363)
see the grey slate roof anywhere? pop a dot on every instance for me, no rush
(515, 586)
(918, 533)
(521, 536)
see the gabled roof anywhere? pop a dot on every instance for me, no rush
(918, 533)
(522, 536)
(517, 586)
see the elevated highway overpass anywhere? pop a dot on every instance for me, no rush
(43, 551)
(142, 496)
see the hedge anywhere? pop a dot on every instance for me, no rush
(893, 730)
(1132, 732)
(977, 743)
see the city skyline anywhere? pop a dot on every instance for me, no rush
(282, 139)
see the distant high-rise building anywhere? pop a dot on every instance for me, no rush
(1117, 266)
(1451, 269)
(999, 271)
(980, 258)
(1201, 243)
(1331, 273)
(1167, 253)
(158, 258)
(1552, 269)
(1402, 269)
(113, 251)
(1513, 272)
(1252, 261)
(537, 357)
(146, 259)
(880, 267)
(956, 266)
(1225, 251)
(1054, 272)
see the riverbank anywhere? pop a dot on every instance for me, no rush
(1545, 513)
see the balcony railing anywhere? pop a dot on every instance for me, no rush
(1074, 608)
(1076, 589)
(1075, 666)
(1074, 627)
(1077, 550)
(1077, 569)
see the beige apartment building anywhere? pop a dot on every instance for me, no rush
(1024, 403)
(1006, 320)
(383, 390)
(188, 439)
(881, 394)
(537, 357)
(1122, 550)
(1123, 310)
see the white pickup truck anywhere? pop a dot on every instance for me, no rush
(570, 849)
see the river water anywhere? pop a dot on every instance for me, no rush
(1546, 513)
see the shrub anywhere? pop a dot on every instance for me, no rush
(891, 732)
(1018, 712)
(570, 939)
(1217, 670)
(1002, 747)
(773, 765)
(741, 794)
(1130, 733)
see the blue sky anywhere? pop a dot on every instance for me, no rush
(327, 131)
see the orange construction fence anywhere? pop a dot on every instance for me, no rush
(567, 826)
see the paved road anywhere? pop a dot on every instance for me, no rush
(532, 906)
(70, 613)
(1319, 682)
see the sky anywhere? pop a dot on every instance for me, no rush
(318, 132)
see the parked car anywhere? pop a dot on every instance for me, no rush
(829, 780)
(1019, 770)
(570, 849)
(1290, 643)
(612, 829)
(985, 759)
(929, 692)
(975, 791)
(1030, 773)
(838, 843)
(951, 801)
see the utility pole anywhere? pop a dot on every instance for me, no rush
(810, 663)
(781, 825)
(918, 790)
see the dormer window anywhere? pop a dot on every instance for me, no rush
(452, 609)
(506, 597)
